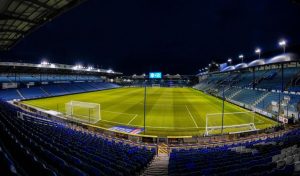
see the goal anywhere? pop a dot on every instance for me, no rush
(83, 111)
(234, 122)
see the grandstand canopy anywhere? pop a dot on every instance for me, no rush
(53, 68)
(20, 17)
(273, 60)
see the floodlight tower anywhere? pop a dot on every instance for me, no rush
(258, 51)
(241, 57)
(282, 43)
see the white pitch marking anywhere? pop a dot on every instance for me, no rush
(153, 126)
(132, 119)
(117, 112)
(191, 116)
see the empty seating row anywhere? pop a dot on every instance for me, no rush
(271, 156)
(42, 147)
(45, 78)
(248, 96)
(54, 90)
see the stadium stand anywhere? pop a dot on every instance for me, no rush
(54, 90)
(9, 94)
(33, 145)
(33, 92)
(270, 156)
(247, 96)
(24, 78)
(262, 89)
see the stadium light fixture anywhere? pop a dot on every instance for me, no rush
(44, 62)
(229, 60)
(52, 66)
(241, 57)
(77, 67)
(282, 43)
(258, 51)
(110, 71)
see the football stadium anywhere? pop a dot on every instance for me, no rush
(235, 116)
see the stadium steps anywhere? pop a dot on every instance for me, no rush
(220, 91)
(159, 166)
(261, 98)
(234, 94)
(20, 94)
(45, 91)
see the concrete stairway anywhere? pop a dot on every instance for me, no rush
(234, 94)
(261, 98)
(159, 166)
(45, 91)
(20, 94)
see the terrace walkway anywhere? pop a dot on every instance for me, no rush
(159, 166)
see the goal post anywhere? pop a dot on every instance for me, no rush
(83, 111)
(233, 122)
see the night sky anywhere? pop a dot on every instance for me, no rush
(172, 36)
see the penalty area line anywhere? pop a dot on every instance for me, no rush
(114, 112)
(191, 116)
(132, 119)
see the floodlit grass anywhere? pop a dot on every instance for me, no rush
(169, 111)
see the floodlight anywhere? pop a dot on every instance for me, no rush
(282, 43)
(44, 62)
(77, 67)
(241, 56)
(109, 71)
(258, 51)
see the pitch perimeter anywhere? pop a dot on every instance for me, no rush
(169, 111)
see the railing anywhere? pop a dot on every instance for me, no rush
(151, 141)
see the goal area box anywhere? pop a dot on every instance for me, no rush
(83, 111)
(235, 122)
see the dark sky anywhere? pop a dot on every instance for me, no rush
(172, 36)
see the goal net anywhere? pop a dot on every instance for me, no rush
(83, 111)
(234, 122)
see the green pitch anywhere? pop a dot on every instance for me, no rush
(169, 111)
